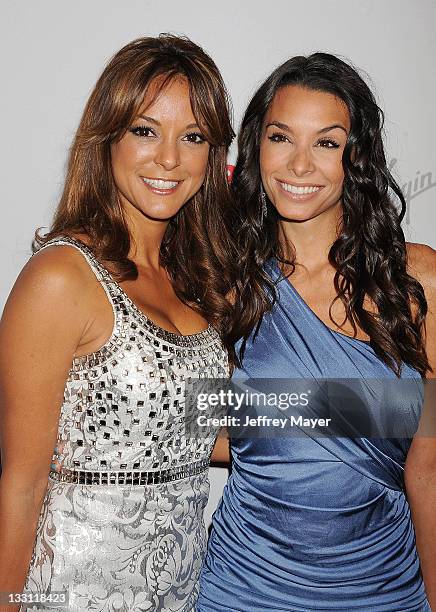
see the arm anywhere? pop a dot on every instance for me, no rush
(221, 450)
(420, 471)
(41, 328)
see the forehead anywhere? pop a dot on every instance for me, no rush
(300, 106)
(168, 100)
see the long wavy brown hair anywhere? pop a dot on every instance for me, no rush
(197, 248)
(369, 253)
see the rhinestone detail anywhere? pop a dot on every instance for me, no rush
(135, 477)
(124, 405)
(118, 297)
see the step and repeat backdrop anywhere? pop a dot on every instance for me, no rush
(52, 52)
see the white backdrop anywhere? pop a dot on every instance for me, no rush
(52, 51)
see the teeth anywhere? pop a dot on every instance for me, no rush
(299, 190)
(160, 183)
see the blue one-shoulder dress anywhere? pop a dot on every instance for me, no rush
(314, 523)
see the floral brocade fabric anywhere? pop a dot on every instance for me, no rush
(124, 546)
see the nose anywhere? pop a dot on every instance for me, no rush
(167, 154)
(300, 161)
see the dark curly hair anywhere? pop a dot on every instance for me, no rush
(197, 249)
(369, 253)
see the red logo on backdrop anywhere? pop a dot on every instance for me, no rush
(230, 170)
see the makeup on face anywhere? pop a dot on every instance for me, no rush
(303, 139)
(161, 161)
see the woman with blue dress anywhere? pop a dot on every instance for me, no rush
(123, 303)
(328, 289)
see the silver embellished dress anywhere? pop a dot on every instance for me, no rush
(121, 526)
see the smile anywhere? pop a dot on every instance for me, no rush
(299, 190)
(161, 185)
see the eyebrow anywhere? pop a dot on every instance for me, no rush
(155, 122)
(286, 128)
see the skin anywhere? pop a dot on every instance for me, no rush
(164, 142)
(300, 147)
(294, 150)
(420, 469)
(303, 138)
(167, 145)
(34, 324)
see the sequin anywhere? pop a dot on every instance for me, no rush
(132, 489)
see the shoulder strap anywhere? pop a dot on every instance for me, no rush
(103, 276)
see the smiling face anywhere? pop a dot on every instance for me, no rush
(303, 139)
(161, 161)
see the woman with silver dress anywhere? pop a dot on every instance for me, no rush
(123, 303)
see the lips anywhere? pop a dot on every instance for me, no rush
(160, 184)
(299, 189)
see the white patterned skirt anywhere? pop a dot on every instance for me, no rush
(124, 548)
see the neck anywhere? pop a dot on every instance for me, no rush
(146, 237)
(311, 240)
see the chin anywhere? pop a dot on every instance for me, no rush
(306, 211)
(160, 212)
(161, 215)
(296, 214)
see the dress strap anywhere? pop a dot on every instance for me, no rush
(101, 273)
(110, 286)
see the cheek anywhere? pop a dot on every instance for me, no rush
(117, 167)
(334, 170)
(270, 159)
(120, 158)
(340, 176)
(197, 164)
(127, 155)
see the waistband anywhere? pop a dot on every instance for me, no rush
(135, 477)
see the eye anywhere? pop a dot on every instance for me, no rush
(328, 143)
(195, 138)
(278, 137)
(142, 131)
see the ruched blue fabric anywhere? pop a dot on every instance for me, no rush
(314, 523)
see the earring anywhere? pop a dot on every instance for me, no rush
(264, 202)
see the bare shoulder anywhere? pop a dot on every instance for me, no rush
(55, 275)
(422, 266)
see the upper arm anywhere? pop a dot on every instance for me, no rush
(43, 321)
(422, 454)
(422, 265)
(221, 449)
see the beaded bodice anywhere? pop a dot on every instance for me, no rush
(124, 405)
